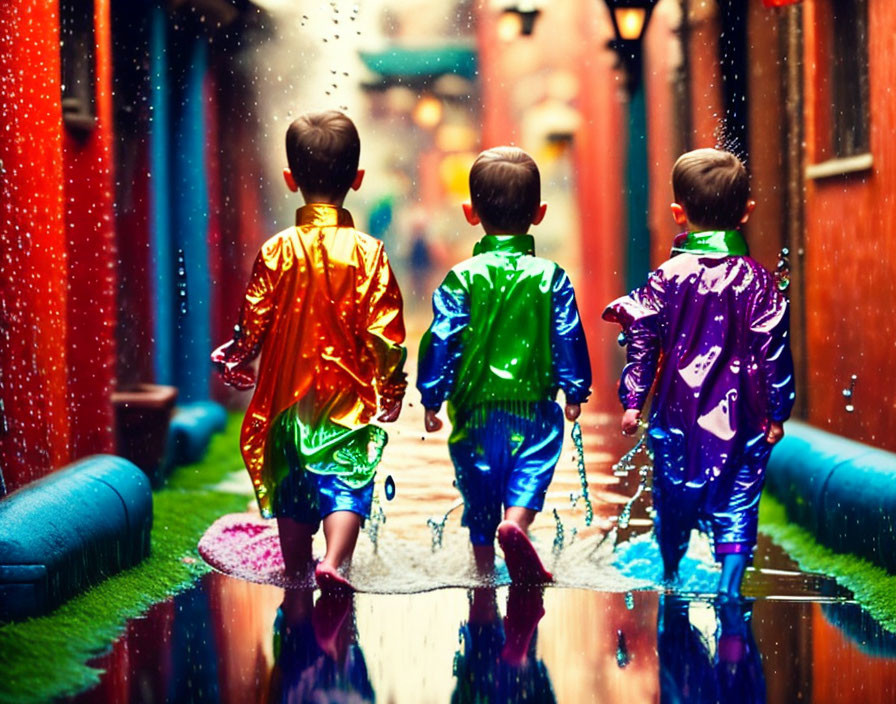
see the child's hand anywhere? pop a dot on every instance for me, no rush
(240, 379)
(219, 356)
(573, 411)
(233, 374)
(390, 412)
(431, 421)
(630, 420)
(775, 432)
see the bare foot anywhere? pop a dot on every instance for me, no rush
(329, 579)
(522, 561)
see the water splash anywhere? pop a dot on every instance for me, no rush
(782, 270)
(849, 393)
(181, 282)
(375, 522)
(626, 514)
(626, 463)
(580, 465)
(437, 525)
(559, 534)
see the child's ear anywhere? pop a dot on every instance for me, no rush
(290, 181)
(748, 210)
(470, 214)
(539, 213)
(359, 177)
(678, 214)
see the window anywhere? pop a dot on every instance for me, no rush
(849, 78)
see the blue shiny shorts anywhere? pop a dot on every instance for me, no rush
(307, 497)
(504, 454)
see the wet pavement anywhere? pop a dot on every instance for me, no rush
(605, 634)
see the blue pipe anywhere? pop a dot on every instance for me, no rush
(843, 491)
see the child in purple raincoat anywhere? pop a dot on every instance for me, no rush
(710, 330)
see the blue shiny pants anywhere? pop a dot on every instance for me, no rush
(504, 454)
(728, 504)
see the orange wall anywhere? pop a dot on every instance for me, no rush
(89, 224)
(600, 168)
(850, 259)
(661, 61)
(706, 79)
(34, 431)
(766, 230)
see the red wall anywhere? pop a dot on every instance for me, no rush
(57, 282)
(850, 247)
(89, 225)
(33, 288)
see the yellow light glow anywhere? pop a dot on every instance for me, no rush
(630, 21)
(510, 26)
(428, 112)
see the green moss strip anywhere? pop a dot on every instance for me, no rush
(874, 588)
(45, 658)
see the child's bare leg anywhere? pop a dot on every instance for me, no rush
(484, 557)
(341, 530)
(295, 543)
(523, 517)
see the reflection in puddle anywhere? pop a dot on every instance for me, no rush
(233, 641)
(707, 652)
(497, 661)
(317, 656)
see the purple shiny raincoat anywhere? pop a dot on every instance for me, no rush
(711, 330)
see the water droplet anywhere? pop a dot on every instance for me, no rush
(390, 488)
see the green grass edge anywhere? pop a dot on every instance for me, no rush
(46, 658)
(874, 588)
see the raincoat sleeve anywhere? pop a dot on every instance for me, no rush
(441, 348)
(639, 315)
(384, 332)
(770, 347)
(569, 350)
(255, 317)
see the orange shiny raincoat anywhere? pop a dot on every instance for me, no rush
(324, 311)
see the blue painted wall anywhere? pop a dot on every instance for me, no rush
(162, 256)
(189, 227)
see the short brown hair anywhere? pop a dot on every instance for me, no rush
(322, 150)
(505, 189)
(712, 186)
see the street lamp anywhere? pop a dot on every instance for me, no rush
(630, 18)
(518, 20)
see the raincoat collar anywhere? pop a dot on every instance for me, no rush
(323, 215)
(725, 242)
(513, 244)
